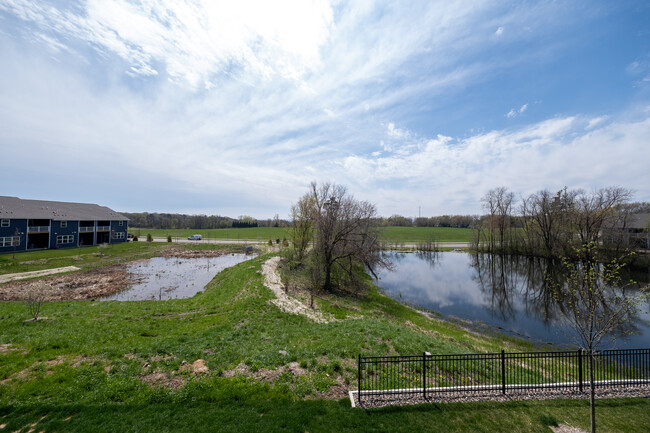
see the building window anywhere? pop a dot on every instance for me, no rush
(65, 239)
(64, 224)
(9, 241)
(118, 235)
(4, 223)
(121, 223)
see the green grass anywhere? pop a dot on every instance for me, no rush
(388, 234)
(423, 234)
(253, 233)
(85, 367)
(281, 415)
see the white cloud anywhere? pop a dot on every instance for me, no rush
(195, 41)
(549, 154)
(499, 31)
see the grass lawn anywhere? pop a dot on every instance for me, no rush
(252, 233)
(129, 366)
(388, 234)
(423, 234)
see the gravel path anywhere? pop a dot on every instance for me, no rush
(370, 402)
(283, 301)
(33, 274)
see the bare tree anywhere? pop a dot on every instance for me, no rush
(595, 304)
(498, 202)
(34, 295)
(344, 233)
(592, 212)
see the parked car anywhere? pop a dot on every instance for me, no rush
(195, 238)
(129, 236)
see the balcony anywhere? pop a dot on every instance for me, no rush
(86, 229)
(38, 229)
(103, 228)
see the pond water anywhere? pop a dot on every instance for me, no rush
(503, 292)
(163, 278)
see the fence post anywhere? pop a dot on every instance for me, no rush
(359, 379)
(424, 375)
(503, 371)
(580, 368)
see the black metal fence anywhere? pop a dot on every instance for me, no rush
(429, 374)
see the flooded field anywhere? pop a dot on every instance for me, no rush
(162, 278)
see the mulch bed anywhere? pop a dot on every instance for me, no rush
(377, 401)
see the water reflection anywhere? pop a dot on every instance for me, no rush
(163, 278)
(510, 293)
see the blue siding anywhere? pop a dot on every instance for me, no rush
(21, 225)
(117, 228)
(71, 229)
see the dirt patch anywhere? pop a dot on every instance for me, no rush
(562, 428)
(166, 380)
(197, 367)
(91, 284)
(265, 374)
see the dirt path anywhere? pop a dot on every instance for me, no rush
(283, 301)
(25, 275)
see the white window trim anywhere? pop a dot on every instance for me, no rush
(64, 224)
(5, 222)
(64, 239)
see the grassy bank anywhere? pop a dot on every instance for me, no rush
(230, 360)
(388, 234)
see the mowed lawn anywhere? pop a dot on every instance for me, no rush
(388, 234)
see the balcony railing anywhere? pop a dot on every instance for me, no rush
(103, 228)
(36, 229)
(86, 229)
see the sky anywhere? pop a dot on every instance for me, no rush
(233, 108)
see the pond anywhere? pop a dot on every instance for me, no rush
(507, 293)
(163, 278)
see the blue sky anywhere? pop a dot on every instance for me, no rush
(233, 108)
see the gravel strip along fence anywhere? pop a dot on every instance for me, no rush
(377, 401)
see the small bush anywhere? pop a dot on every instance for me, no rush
(149, 237)
(135, 239)
(270, 243)
(169, 238)
(35, 295)
(277, 241)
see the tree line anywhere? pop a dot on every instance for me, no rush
(555, 224)
(182, 221)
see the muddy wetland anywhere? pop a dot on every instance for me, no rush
(159, 278)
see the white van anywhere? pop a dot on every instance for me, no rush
(195, 238)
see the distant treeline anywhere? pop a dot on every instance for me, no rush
(556, 224)
(182, 221)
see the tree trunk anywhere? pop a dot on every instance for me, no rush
(592, 392)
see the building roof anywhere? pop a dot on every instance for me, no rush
(639, 221)
(17, 208)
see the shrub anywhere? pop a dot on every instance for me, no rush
(169, 238)
(149, 237)
(35, 295)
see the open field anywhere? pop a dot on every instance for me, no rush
(263, 234)
(228, 359)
